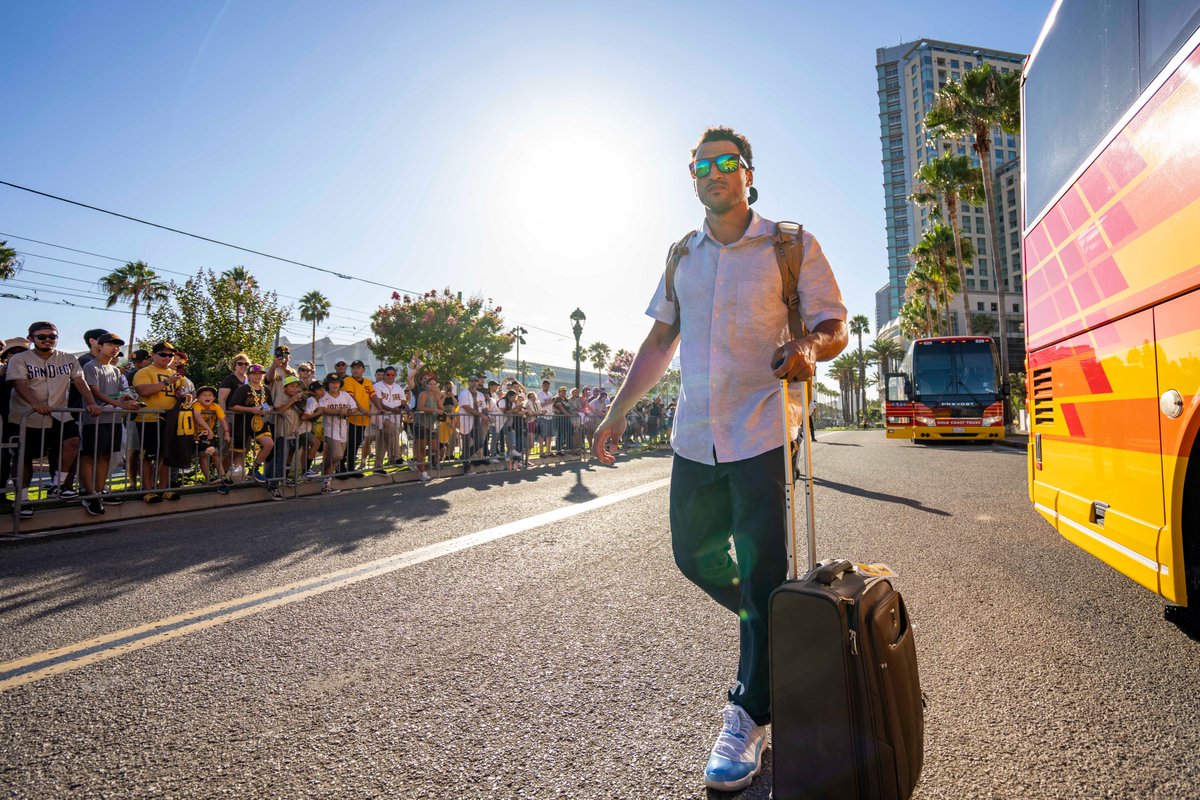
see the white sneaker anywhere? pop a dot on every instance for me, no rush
(425, 477)
(737, 756)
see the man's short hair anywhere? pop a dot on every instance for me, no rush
(41, 326)
(723, 133)
(94, 333)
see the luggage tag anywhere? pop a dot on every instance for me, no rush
(875, 570)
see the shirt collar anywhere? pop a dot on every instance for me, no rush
(757, 227)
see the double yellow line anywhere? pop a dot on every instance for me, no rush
(73, 656)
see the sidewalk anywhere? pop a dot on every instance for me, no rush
(1015, 440)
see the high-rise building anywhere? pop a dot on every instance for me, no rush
(909, 76)
(881, 308)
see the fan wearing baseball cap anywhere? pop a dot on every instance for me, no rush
(362, 390)
(160, 387)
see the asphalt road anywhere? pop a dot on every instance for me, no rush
(570, 660)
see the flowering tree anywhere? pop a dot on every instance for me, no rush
(618, 368)
(455, 338)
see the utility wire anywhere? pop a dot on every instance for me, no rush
(341, 275)
(334, 273)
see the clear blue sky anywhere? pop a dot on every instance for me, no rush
(534, 153)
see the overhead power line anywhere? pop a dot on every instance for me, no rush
(342, 275)
(140, 221)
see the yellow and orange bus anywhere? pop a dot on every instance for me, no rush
(1111, 173)
(948, 389)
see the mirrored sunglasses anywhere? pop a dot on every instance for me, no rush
(728, 162)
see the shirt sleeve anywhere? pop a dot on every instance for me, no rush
(820, 297)
(76, 371)
(661, 309)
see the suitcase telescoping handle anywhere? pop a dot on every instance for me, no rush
(790, 479)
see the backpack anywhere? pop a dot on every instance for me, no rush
(789, 253)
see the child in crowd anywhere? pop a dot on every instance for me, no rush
(312, 440)
(208, 414)
(335, 406)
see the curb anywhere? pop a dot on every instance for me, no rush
(52, 523)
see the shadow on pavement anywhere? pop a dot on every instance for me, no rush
(880, 496)
(1186, 619)
(60, 574)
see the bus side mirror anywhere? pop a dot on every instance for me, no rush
(898, 389)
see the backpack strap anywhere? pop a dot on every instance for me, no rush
(676, 252)
(789, 253)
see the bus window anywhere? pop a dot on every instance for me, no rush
(1086, 71)
(1166, 25)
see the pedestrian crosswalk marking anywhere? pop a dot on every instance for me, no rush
(64, 659)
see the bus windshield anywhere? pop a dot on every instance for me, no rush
(966, 370)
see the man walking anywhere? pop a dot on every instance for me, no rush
(727, 479)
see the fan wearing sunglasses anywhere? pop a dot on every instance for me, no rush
(727, 317)
(41, 379)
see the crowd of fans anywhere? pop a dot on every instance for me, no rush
(107, 428)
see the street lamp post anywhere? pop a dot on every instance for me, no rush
(518, 334)
(578, 317)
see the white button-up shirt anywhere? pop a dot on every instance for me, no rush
(734, 319)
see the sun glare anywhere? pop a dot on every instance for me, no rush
(571, 172)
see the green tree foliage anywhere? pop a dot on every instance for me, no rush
(972, 107)
(10, 262)
(314, 308)
(668, 385)
(916, 316)
(844, 370)
(135, 283)
(460, 337)
(212, 320)
(547, 373)
(885, 353)
(984, 324)
(598, 354)
(242, 286)
(936, 250)
(947, 180)
(618, 367)
(859, 324)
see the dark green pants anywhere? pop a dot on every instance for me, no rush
(742, 500)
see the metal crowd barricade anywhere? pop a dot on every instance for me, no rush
(427, 444)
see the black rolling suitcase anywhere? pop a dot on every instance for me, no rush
(846, 709)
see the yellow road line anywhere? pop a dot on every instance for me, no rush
(73, 656)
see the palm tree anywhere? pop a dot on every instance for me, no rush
(547, 373)
(885, 352)
(935, 247)
(921, 285)
(946, 180)
(599, 353)
(859, 324)
(242, 283)
(914, 317)
(844, 369)
(10, 262)
(314, 308)
(983, 99)
(137, 283)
